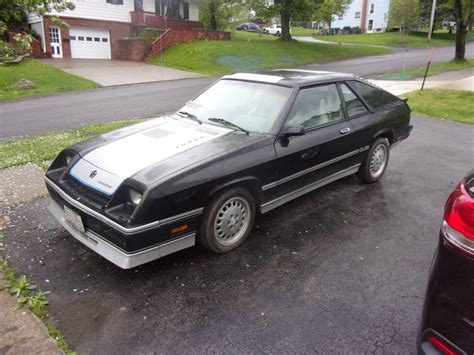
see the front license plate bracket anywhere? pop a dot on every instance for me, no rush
(74, 219)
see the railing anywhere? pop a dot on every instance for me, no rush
(152, 19)
(172, 36)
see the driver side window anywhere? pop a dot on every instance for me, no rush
(316, 106)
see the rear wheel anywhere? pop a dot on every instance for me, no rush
(228, 220)
(374, 165)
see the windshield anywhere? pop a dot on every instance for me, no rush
(252, 106)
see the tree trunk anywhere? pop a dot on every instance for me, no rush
(212, 12)
(285, 22)
(460, 31)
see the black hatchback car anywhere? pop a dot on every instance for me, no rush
(447, 325)
(248, 144)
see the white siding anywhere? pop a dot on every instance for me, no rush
(149, 5)
(32, 18)
(348, 18)
(39, 29)
(380, 15)
(194, 11)
(100, 10)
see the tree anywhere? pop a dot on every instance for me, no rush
(13, 17)
(15, 10)
(463, 16)
(299, 10)
(404, 14)
(218, 14)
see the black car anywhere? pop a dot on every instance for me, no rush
(248, 26)
(447, 325)
(248, 144)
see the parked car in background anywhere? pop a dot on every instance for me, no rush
(248, 26)
(249, 143)
(447, 324)
(273, 30)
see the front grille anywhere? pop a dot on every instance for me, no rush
(87, 195)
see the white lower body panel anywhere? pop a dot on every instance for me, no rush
(115, 255)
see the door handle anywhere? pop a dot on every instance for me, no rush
(310, 153)
(345, 130)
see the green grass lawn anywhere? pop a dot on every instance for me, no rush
(42, 148)
(436, 68)
(48, 80)
(445, 104)
(251, 51)
(396, 39)
(301, 31)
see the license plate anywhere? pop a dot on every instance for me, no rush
(74, 219)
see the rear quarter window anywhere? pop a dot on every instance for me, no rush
(376, 98)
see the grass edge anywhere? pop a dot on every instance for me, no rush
(24, 298)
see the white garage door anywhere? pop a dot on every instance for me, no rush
(89, 43)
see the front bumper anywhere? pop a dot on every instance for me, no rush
(115, 255)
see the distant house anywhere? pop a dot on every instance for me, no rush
(368, 15)
(96, 26)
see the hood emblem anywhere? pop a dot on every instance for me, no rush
(93, 173)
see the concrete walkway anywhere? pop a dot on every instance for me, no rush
(118, 72)
(21, 332)
(458, 80)
(315, 40)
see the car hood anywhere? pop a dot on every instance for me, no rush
(157, 150)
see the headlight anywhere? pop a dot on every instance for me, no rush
(135, 196)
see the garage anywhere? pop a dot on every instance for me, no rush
(89, 43)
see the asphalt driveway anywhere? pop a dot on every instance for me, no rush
(118, 72)
(340, 270)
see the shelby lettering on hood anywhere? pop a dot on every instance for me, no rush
(105, 168)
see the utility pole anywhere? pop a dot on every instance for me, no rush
(433, 10)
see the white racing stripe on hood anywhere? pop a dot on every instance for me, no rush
(116, 161)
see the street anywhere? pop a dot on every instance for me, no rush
(340, 270)
(71, 110)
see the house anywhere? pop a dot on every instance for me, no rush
(97, 27)
(368, 15)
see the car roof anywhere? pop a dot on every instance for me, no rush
(292, 77)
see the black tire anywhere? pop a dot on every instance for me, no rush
(372, 168)
(241, 209)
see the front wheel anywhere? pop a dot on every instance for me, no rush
(374, 165)
(228, 220)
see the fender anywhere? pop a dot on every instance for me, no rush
(250, 182)
(386, 133)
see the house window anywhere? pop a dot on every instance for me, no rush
(115, 2)
(370, 27)
(340, 17)
(357, 14)
(372, 8)
(186, 10)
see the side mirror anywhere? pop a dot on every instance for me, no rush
(290, 131)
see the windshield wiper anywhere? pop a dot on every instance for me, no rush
(189, 115)
(228, 124)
